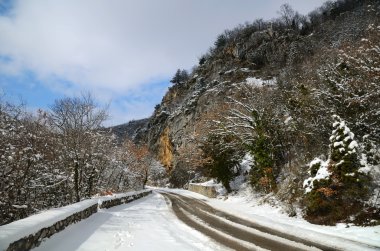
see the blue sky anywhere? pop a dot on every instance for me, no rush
(123, 51)
(5, 5)
(27, 88)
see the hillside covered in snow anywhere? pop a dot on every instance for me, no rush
(301, 95)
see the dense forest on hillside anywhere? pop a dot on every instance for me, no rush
(301, 95)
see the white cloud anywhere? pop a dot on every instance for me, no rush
(115, 46)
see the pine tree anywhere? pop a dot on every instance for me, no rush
(343, 150)
(177, 77)
(222, 158)
(221, 41)
(262, 176)
(339, 194)
(345, 164)
(180, 76)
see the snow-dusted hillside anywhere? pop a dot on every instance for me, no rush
(273, 90)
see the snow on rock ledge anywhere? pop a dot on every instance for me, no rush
(28, 233)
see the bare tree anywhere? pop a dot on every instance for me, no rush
(75, 119)
(138, 162)
(289, 16)
(287, 13)
(30, 175)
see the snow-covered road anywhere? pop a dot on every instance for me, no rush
(145, 224)
(151, 223)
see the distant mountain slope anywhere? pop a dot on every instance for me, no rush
(130, 130)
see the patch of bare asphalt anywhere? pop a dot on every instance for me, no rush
(205, 213)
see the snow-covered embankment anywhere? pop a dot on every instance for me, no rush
(28, 233)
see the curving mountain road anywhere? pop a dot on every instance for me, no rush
(171, 221)
(232, 231)
(241, 234)
(145, 224)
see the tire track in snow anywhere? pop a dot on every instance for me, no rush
(234, 226)
(204, 229)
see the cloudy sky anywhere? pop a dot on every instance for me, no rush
(122, 51)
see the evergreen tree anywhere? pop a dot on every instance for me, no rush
(180, 76)
(262, 177)
(221, 41)
(334, 196)
(222, 158)
(177, 77)
(343, 150)
(345, 164)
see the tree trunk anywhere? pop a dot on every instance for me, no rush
(76, 181)
(226, 184)
(145, 179)
(90, 185)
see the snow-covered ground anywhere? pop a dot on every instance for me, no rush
(144, 224)
(245, 205)
(150, 224)
(18, 229)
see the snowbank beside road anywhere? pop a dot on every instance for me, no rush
(17, 230)
(32, 225)
(247, 206)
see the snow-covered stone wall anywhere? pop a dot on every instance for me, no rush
(34, 239)
(205, 190)
(122, 200)
(28, 233)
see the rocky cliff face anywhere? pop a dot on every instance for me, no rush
(249, 53)
(165, 149)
